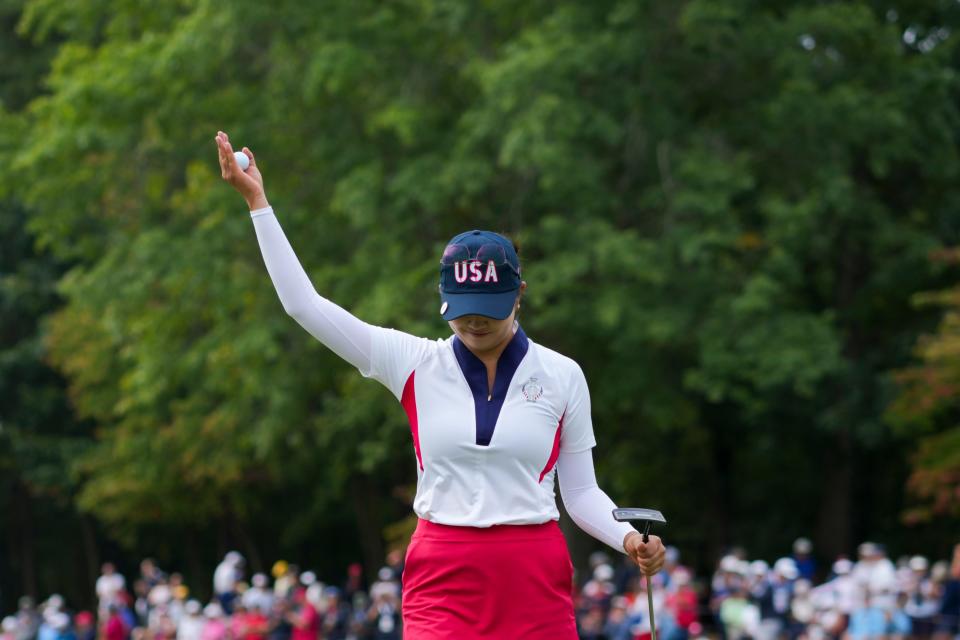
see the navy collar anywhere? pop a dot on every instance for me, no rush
(487, 405)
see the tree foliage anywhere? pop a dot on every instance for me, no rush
(724, 208)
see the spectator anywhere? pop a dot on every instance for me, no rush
(899, 625)
(126, 611)
(354, 581)
(802, 609)
(150, 573)
(284, 580)
(304, 618)
(591, 624)
(740, 617)
(384, 610)
(141, 604)
(8, 628)
(867, 621)
(28, 620)
(726, 581)
(280, 627)
(922, 598)
(395, 560)
(225, 578)
(85, 627)
(259, 595)
(774, 599)
(108, 587)
(681, 602)
(162, 625)
(875, 575)
(215, 627)
(803, 557)
(336, 620)
(248, 624)
(948, 622)
(115, 628)
(599, 589)
(620, 623)
(190, 626)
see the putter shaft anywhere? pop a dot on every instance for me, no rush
(653, 625)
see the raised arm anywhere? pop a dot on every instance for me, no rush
(345, 335)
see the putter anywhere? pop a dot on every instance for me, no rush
(646, 516)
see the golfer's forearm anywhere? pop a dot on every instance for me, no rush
(345, 335)
(589, 507)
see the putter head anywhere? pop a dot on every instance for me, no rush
(641, 515)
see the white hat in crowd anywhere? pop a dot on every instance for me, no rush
(307, 578)
(759, 568)
(603, 573)
(9, 624)
(672, 555)
(192, 607)
(730, 564)
(802, 546)
(597, 558)
(842, 567)
(919, 563)
(259, 580)
(59, 621)
(213, 610)
(786, 568)
(55, 602)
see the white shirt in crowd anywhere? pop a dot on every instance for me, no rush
(108, 587)
(227, 573)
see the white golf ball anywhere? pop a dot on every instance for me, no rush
(242, 160)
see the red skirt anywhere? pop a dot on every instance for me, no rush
(503, 582)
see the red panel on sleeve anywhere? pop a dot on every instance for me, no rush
(409, 402)
(555, 453)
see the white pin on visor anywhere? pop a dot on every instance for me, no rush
(443, 308)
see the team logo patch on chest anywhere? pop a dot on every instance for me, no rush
(531, 390)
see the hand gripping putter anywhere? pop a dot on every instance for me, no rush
(646, 516)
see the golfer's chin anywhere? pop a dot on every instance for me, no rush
(479, 341)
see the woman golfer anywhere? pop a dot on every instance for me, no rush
(493, 415)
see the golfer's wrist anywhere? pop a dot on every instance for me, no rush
(258, 201)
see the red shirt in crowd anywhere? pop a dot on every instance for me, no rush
(308, 623)
(115, 629)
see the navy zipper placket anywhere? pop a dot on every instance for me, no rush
(475, 374)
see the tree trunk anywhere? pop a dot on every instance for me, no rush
(366, 506)
(91, 555)
(836, 506)
(24, 535)
(719, 489)
(247, 543)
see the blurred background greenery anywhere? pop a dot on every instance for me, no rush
(737, 215)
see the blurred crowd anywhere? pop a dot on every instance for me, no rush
(870, 598)
(293, 605)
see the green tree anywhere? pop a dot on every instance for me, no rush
(725, 207)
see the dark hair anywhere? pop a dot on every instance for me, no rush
(516, 246)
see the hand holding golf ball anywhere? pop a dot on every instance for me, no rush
(239, 168)
(242, 160)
